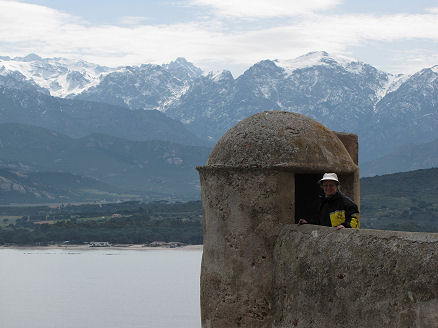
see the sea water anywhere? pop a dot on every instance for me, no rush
(99, 288)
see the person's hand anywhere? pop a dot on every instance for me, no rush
(339, 227)
(302, 221)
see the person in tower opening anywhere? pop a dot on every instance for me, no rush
(336, 209)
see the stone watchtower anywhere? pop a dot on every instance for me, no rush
(261, 175)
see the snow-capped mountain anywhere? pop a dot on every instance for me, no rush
(141, 87)
(385, 110)
(383, 84)
(16, 80)
(144, 87)
(182, 69)
(59, 76)
(410, 113)
(337, 91)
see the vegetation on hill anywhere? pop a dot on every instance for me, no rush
(104, 167)
(122, 223)
(21, 187)
(403, 201)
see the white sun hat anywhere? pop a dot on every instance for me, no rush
(329, 177)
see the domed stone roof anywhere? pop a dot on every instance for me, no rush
(281, 139)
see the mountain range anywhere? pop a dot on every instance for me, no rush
(179, 103)
(387, 111)
(105, 167)
(77, 118)
(407, 158)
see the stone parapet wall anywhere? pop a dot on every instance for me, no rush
(355, 278)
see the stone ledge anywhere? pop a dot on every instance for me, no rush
(355, 278)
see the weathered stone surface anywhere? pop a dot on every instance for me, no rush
(243, 215)
(355, 278)
(275, 138)
(258, 270)
(351, 143)
(248, 189)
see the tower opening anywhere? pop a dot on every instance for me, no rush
(307, 192)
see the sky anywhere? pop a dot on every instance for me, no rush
(394, 36)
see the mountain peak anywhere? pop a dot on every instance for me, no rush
(321, 58)
(316, 54)
(262, 67)
(218, 76)
(183, 69)
(181, 61)
(29, 57)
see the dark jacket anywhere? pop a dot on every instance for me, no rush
(337, 209)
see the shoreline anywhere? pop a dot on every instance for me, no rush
(136, 247)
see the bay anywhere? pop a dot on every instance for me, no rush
(99, 288)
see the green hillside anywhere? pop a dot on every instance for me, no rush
(401, 201)
(121, 223)
(19, 187)
(152, 169)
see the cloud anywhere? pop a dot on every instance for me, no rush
(133, 20)
(23, 22)
(353, 29)
(263, 8)
(412, 61)
(433, 10)
(26, 28)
